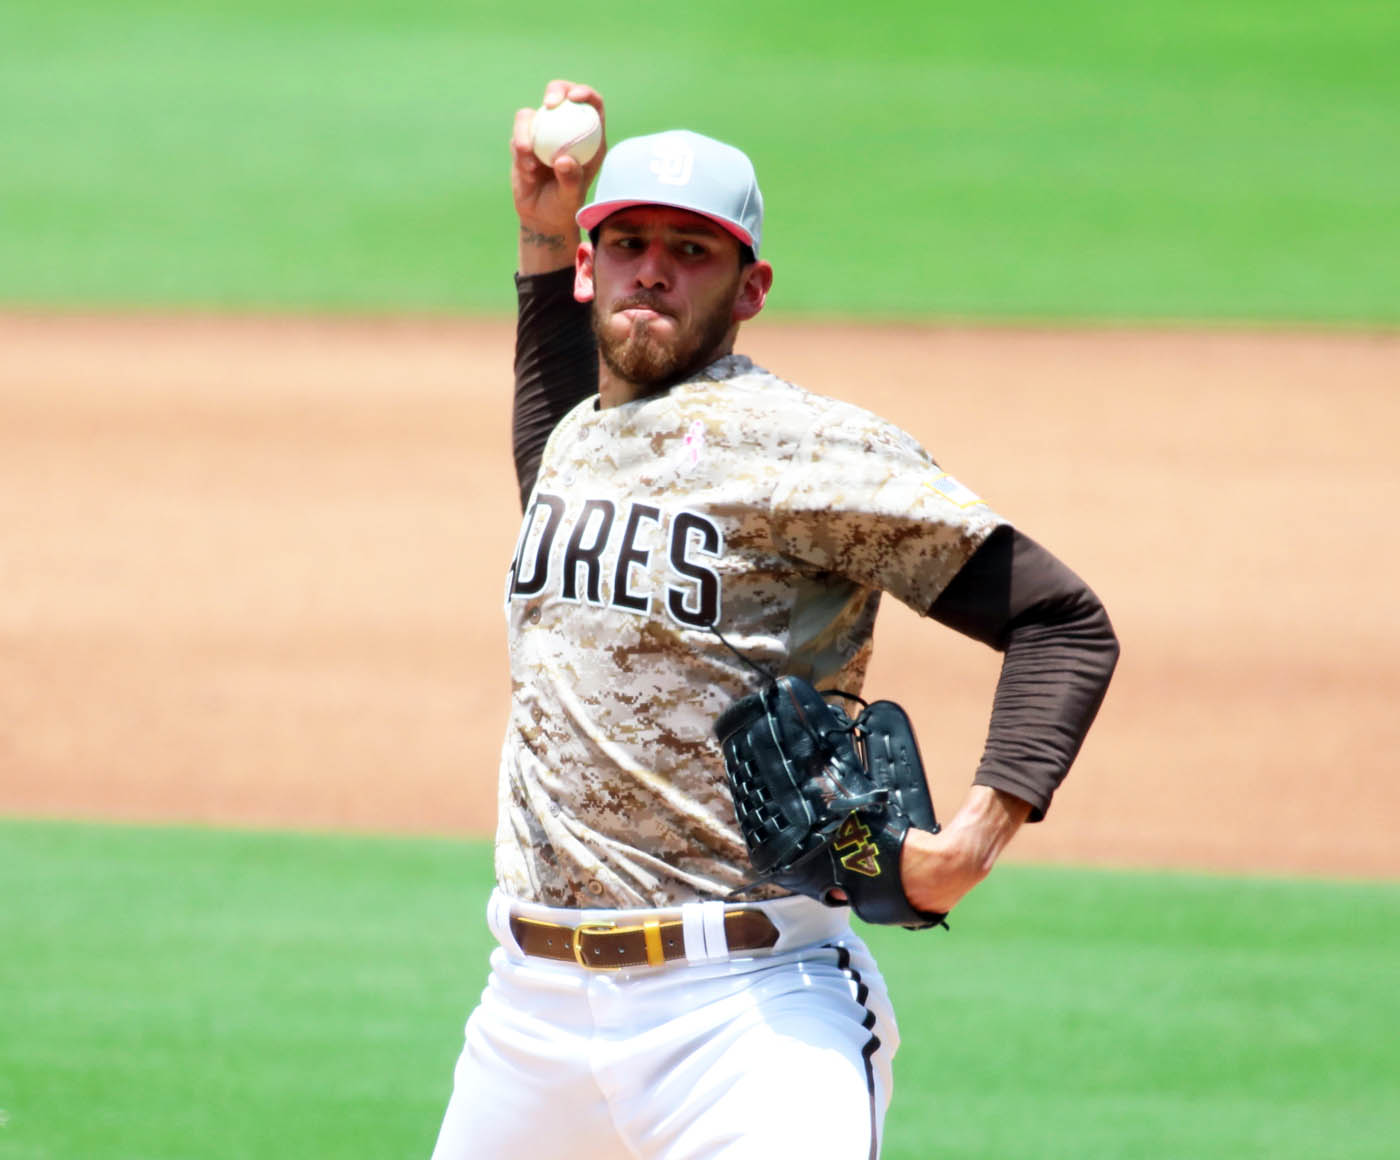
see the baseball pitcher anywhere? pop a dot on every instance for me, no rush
(693, 795)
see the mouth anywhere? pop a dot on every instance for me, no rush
(642, 312)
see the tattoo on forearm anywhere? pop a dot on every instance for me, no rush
(555, 242)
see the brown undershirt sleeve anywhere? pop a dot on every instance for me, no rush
(1060, 652)
(556, 365)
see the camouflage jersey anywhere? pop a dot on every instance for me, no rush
(733, 499)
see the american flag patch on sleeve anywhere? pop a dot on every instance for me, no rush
(953, 491)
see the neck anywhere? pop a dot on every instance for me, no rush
(613, 390)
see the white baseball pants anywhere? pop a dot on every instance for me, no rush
(781, 1053)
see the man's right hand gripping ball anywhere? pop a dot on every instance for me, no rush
(547, 198)
(824, 801)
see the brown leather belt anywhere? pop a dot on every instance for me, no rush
(610, 946)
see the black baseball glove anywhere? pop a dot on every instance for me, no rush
(825, 801)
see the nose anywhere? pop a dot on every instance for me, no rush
(654, 269)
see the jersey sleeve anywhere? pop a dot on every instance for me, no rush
(556, 366)
(862, 499)
(1059, 649)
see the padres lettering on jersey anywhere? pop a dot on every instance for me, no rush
(596, 553)
(734, 499)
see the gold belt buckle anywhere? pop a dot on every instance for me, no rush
(592, 928)
(651, 932)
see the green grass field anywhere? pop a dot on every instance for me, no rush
(1087, 159)
(178, 994)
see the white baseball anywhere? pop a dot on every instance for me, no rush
(569, 127)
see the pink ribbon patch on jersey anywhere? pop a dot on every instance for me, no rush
(694, 443)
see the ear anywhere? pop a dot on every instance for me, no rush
(754, 284)
(583, 273)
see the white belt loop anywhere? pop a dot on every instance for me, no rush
(716, 942)
(498, 921)
(693, 928)
(702, 923)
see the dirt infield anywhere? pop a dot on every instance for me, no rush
(252, 572)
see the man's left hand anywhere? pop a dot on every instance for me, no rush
(939, 869)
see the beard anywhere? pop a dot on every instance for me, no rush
(644, 359)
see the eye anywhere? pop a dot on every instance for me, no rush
(693, 249)
(623, 242)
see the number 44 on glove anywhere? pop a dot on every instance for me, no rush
(825, 801)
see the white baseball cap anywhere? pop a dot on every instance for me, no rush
(685, 170)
